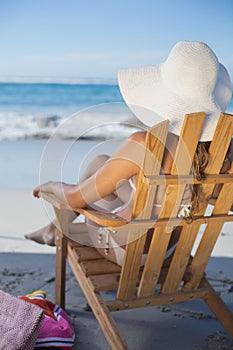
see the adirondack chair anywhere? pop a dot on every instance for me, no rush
(153, 284)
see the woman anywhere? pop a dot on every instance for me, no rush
(190, 80)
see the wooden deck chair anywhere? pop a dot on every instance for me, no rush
(153, 284)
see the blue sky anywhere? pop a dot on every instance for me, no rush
(94, 38)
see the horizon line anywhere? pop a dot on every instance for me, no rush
(57, 80)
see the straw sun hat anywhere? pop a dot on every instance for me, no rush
(190, 80)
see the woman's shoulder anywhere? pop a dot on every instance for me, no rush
(138, 136)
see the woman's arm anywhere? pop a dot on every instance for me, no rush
(124, 164)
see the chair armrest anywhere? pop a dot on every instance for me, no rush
(101, 218)
(55, 201)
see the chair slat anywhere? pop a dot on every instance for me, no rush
(185, 151)
(209, 238)
(105, 282)
(217, 151)
(155, 143)
(99, 267)
(180, 260)
(87, 253)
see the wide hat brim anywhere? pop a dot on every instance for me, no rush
(153, 98)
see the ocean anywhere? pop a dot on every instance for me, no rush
(36, 110)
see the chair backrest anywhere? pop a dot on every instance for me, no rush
(149, 179)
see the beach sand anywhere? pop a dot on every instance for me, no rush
(26, 266)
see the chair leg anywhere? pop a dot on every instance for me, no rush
(98, 306)
(108, 324)
(61, 252)
(219, 308)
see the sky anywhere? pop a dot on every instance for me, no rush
(95, 38)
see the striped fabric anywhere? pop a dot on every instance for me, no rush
(56, 329)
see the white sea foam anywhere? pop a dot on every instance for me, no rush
(16, 126)
(91, 123)
(87, 125)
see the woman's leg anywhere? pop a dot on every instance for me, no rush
(45, 235)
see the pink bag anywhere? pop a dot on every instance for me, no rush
(56, 329)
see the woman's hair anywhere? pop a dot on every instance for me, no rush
(200, 161)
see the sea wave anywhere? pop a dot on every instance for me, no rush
(86, 125)
(17, 126)
(101, 121)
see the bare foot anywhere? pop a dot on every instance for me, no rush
(45, 235)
